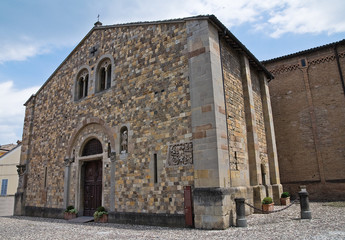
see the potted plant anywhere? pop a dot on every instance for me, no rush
(70, 213)
(285, 198)
(267, 205)
(101, 215)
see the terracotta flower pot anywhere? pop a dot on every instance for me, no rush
(102, 219)
(267, 207)
(69, 216)
(285, 201)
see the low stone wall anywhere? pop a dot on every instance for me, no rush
(171, 220)
(330, 191)
(6, 205)
(44, 212)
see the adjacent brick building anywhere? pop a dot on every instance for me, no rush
(308, 102)
(140, 113)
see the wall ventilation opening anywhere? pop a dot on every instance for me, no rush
(303, 62)
(155, 170)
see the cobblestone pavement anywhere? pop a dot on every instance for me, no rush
(328, 222)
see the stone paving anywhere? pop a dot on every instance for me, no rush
(328, 222)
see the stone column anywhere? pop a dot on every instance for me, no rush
(252, 138)
(112, 180)
(68, 162)
(211, 195)
(270, 140)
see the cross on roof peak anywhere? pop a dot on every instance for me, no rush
(98, 23)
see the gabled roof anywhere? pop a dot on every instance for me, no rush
(304, 52)
(7, 147)
(224, 32)
(11, 150)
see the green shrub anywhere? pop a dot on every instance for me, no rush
(71, 209)
(100, 212)
(100, 209)
(267, 200)
(285, 195)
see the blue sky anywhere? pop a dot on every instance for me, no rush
(37, 35)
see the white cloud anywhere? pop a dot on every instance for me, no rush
(309, 16)
(278, 17)
(271, 17)
(20, 49)
(12, 111)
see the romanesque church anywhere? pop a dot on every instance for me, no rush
(162, 122)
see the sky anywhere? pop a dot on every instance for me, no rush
(37, 35)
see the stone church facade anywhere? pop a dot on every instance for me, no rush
(156, 121)
(308, 96)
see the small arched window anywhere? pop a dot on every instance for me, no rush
(92, 147)
(104, 75)
(82, 84)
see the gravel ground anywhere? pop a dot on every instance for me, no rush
(328, 222)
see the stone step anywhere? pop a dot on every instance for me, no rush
(82, 219)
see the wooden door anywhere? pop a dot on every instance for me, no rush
(92, 187)
(188, 206)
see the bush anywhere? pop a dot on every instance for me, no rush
(100, 209)
(100, 212)
(267, 200)
(285, 195)
(71, 209)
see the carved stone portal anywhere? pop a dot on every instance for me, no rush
(180, 154)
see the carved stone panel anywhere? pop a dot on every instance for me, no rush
(180, 154)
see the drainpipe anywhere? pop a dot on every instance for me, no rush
(339, 67)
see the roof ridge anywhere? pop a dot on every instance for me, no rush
(155, 21)
(303, 51)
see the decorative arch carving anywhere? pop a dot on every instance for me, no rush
(106, 131)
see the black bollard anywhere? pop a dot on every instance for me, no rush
(240, 213)
(304, 202)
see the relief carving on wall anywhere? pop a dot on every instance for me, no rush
(180, 154)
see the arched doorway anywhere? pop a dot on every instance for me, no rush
(92, 177)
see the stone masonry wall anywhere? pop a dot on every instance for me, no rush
(237, 133)
(149, 93)
(260, 123)
(247, 176)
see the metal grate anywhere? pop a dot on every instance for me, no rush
(92, 147)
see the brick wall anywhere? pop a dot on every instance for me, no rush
(308, 105)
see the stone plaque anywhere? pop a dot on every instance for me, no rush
(180, 154)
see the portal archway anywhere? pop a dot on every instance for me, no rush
(91, 177)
